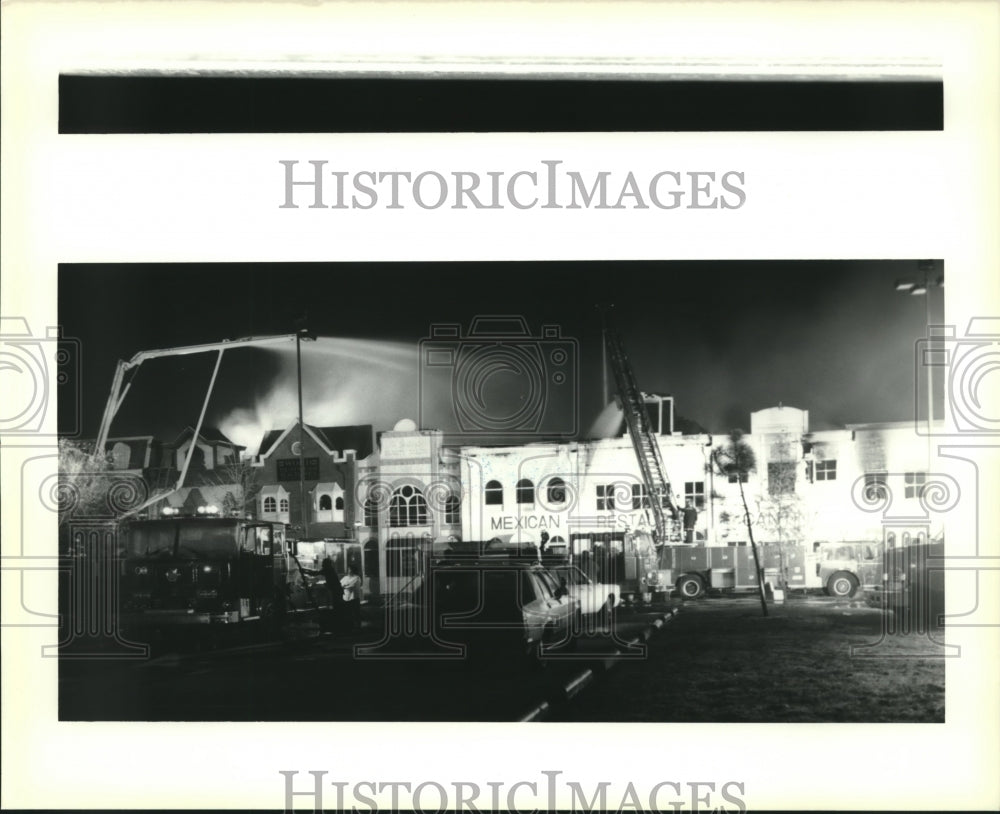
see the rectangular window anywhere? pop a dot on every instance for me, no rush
(826, 470)
(288, 469)
(605, 498)
(914, 483)
(371, 513)
(640, 497)
(695, 492)
(875, 488)
(738, 477)
(781, 477)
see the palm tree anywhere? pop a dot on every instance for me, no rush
(736, 458)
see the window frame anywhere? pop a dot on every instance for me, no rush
(825, 470)
(371, 512)
(641, 498)
(555, 491)
(452, 510)
(876, 486)
(605, 497)
(407, 509)
(694, 490)
(524, 492)
(493, 493)
(914, 484)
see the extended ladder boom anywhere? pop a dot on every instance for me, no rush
(647, 451)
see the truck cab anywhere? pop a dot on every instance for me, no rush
(845, 566)
(201, 569)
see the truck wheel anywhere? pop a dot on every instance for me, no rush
(842, 584)
(690, 586)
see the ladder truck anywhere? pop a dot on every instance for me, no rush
(642, 557)
(179, 573)
(841, 568)
(647, 450)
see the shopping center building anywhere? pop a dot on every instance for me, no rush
(397, 493)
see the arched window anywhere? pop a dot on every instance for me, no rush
(325, 503)
(494, 493)
(906, 539)
(407, 507)
(270, 504)
(921, 538)
(525, 491)
(890, 539)
(452, 510)
(339, 504)
(557, 491)
(371, 512)
(283, 504)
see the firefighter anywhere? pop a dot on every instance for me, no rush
(690, 520)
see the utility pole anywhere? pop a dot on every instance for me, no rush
(605, 395)
(300, 335)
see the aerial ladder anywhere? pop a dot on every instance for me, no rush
(120, 388)
(647, 451)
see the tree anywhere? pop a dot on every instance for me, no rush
(83, 481)
(736, 458)
(780, 510)
(241, 474)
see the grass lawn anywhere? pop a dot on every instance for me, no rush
(720, 660)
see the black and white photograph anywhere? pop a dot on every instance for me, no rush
(482, 407)
(502, 511)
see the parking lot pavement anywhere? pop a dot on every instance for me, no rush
(325, 677)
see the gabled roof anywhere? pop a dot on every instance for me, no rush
(269, 440)
(211, 435)
(274, 438)
(359, 437)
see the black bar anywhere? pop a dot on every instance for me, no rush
(167, 104)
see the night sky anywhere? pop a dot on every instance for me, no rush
(724, 338)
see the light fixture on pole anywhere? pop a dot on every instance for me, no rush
(302, 335)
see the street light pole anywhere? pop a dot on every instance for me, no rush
(605, 395)
(302, 445)
(300, 335)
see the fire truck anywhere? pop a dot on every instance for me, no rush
(913, 583)
(200, 569)
(626, 559)
(839, 568)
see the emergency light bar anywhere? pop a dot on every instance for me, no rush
(204, 511)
